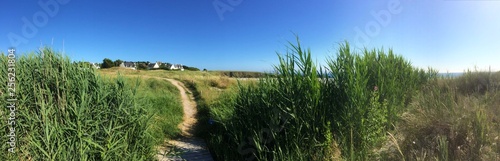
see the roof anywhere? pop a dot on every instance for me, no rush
(129, 64)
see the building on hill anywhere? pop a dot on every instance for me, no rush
(128, 64)
(175, 67)
(154, 65)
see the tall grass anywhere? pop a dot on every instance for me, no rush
(67, 112)
(452, 119)
(303, 113)
(161, 100)
(368, 91)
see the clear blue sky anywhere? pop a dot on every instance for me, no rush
(246, 34)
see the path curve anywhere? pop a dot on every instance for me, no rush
(188, 106)
(190, 147)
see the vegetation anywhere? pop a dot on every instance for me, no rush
(107, 63)
(161, 100)
(117, 62)
(84, 64)
(243, 74)
(367, 106)
(190, 68)
(142, 65)
(66, 111)
(451, 119)
(362, 105)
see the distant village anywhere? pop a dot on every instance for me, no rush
(141, 65)
(157, 65)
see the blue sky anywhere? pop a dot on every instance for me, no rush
(245, 35)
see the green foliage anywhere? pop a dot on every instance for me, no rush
(294, 114)
(107, 63)
(164, 66)
(67, 112)
(243, 74)
(161, 100)
(446, 122)
(477, 82)
(362, 121)
(190, 68)
(142, 66)
(84, 64)
(117, 62)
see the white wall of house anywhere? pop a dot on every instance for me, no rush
(176, 67)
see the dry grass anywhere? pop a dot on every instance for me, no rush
(452, 119)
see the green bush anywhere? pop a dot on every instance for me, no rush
(107, 63)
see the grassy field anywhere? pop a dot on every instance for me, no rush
(363, 105)
(208, 84)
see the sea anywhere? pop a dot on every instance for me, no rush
(450, 75)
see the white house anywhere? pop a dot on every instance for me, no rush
(154, 65)
(176, 67)
(128, 64)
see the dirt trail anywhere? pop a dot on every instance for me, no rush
(186, 147)
(189, 108)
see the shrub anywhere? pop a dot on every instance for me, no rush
(107, 63)
(117, 62)
(221, 83)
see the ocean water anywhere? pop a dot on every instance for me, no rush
(452, 75)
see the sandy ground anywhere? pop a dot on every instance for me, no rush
(189, 108)
(191, 148)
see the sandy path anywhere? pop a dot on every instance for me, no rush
(191, 148)
(189, 108)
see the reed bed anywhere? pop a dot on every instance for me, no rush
(66, 111)
(302, 112)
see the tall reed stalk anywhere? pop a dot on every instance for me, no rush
(304, 113)
(67, 112)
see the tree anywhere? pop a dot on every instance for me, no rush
(118, 62)
(190, 68)
(204, 69)
(164, 66)
(142, 65)
(107, 63)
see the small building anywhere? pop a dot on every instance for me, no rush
(154, 65)
(175, 67)
(128, 64)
